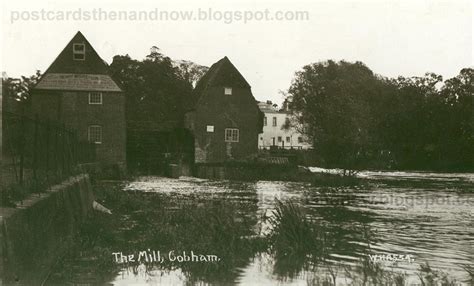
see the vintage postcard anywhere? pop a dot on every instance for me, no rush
(237, 142)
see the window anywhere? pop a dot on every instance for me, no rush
(279, 138)
(300, 139)
(228, 90)
(210, 128)
(95, 134)
(231, 135)
(261, 138)
(79, 52)
(288, 139)
(95, 97)
(265, 121)
(274, 123)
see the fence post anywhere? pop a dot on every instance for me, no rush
(69, 147)
(68, 152)
(22, 147)
(63, 148)
(75, 144)
(35, 153)
(2, 194)
(55, 150)
(48, 134)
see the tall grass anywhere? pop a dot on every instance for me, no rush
(147, 220)
(295, 241)
(298, 244)
(291, 231)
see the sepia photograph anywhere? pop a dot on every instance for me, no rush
(237, 142)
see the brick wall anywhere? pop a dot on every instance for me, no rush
(73, 109)
(238, 110)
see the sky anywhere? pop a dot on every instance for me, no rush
(393, 38)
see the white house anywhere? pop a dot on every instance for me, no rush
(273, 132)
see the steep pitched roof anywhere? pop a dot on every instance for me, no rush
(221, 73)
(65, 73)
(64, 63)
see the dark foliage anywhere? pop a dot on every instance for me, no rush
(155, 89)
(158, 91)
(357, 119)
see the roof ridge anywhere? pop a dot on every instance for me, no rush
(91, 55)
(64, 63)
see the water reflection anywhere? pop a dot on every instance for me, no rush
(430, 220)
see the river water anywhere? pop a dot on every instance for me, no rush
(426, 217)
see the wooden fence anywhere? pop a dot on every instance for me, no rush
(39, 153)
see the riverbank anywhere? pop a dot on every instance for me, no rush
(200, 216)
(144, 221)
(251, 172)
(40, 229)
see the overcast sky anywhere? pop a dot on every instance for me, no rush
(393, 38)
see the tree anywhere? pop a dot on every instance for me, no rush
(157, 97)
(17, 92)
(331, 99)
(154, 88)
(457, 95)
(409, 121)
(357, 119)
(190, 71)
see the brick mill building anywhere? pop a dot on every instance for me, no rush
(77, 91)
(225, 119)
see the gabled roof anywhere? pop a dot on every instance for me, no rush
(221, 73)
(64, 63)
(65, 73)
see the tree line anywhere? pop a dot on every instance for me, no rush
(357, 119)
(157, 89)
(353, 117)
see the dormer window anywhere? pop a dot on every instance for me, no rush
(228, 90)
(79, 52)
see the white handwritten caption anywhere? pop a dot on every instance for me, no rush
(154, 256)
(391, 258)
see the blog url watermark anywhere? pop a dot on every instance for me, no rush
(405, 202)
(397, 200)
(200, 14)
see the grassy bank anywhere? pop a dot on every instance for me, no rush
(295, 241)
(142, 221)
